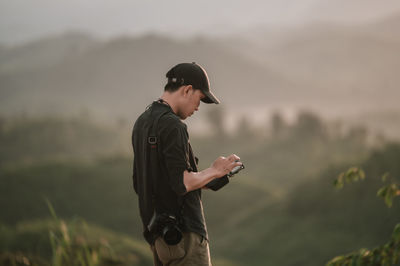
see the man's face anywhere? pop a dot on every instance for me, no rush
(190, 102)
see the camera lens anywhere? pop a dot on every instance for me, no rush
(172, 235)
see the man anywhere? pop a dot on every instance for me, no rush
(165, 173)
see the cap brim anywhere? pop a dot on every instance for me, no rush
(210, 98)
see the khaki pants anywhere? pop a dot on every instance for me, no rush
(193, 250)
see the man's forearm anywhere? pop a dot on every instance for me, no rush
(220, 167)
(196, 180)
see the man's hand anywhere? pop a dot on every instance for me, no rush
(222, 166)
(219, 168)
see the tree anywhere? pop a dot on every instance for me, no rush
(278, 125)
(215, 117)
(308, 126)
(387, 254)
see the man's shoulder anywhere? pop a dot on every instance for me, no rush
(167, 118)
(171, 119)
(142, 118)
(169, 123)
(152, 112)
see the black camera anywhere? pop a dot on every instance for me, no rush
(218, 183)
(236, 170)
(166, 226)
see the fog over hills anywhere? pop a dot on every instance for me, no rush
(353, 66)
(353, 11)
(124, 74)
(332, 69)
(22, 20)
(346, 62)
(43, 52)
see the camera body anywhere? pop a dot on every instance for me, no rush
(218, 183)
(167, 226)
(236, 169)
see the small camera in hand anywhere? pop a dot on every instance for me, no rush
(218, 183)
(166, 226)
(235, 170)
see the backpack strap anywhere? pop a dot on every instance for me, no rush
(154, 142)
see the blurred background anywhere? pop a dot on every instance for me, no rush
(308, 89)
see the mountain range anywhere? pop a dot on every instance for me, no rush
(328, 68)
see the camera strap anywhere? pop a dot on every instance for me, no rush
(154, 142)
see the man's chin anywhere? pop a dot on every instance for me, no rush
(187, 116)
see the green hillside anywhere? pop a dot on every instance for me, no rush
(281, 210)
(316, 222)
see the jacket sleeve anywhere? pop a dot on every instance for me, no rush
(134, 177)
(175, 153)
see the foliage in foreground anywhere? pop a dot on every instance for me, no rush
(387, 254)
(58, 242)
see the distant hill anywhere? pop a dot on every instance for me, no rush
(352, 12)
(387, 27)
(44, 52)
(343, 64)
(327, 68)
(345, 68)
(122, 76)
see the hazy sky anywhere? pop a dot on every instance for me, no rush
(22, 20)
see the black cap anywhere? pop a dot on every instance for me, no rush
(195, 75)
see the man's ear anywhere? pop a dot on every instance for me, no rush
(187, 89)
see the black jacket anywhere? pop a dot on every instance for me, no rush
(175, 155)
